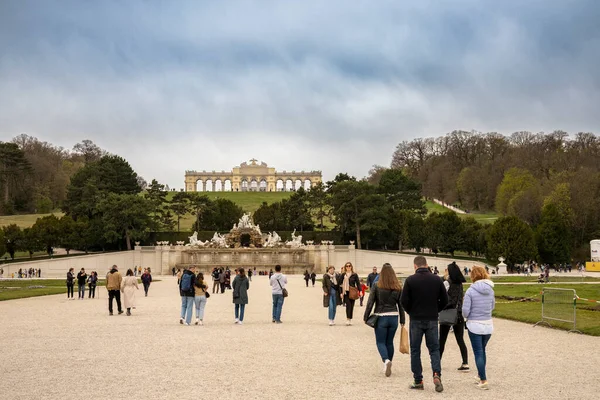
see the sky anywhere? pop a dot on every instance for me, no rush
(302, 85)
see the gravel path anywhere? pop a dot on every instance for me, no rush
(52, 348)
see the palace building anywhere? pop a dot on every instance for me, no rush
(250, 177)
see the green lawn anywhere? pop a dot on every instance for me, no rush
(24, 220)
(484, 217)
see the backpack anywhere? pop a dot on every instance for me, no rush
(186, 282)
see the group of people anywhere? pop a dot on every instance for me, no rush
(423, 296)
(308, 276)
(82, 279)
(25, 273)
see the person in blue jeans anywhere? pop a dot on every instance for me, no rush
(385, 296)
(278, 282)
(241, 285)
(477, 308)
(423, 297)
(187, 293)
(331, 293)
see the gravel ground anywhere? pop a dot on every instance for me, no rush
(52, 348)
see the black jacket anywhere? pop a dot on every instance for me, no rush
(81, 278)
(424, 295)
(354, 280)
(384, 300)
(371, 279)
(70, 278)
(191, 292)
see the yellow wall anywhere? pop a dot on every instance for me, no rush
(592, 266)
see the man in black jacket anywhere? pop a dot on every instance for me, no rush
(371, 278)
(423, 297)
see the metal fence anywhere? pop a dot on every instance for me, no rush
(559, 305)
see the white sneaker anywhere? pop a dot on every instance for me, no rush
(201, 322)
(331, 323)
(237, 321)
(186, 324)
(240, 323)
(197, 321)
(388, 367)
(348, 322)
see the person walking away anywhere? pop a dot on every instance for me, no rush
(128, 287)
(423, 297)
(363, 289)
(215, 278)
(113, 285)
(70, 283)
(306, 277)
(313, 278)
(92, 282)
(278, 282)
(385, 297)
(455, 280)
(146, 281)
(222, 280)
(187, 293)
(240, 295)
(81, 281)
(250, 274)
(350, 282)
(477, 309)
(371, 278)
(228, 279)
(200, 289)
(331, 293)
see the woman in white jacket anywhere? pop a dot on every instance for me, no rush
(128, 287)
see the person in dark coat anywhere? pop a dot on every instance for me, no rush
(349, 279)
(306, 277)
(70, 282)
(313, 278)
(146, 281)
(241, 284)
(331, 293)
(455, 280)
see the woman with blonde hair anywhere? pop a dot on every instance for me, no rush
(385, 296)
(350, 282)
(477, 308)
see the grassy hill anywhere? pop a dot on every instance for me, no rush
(482, 218)
(249, 201)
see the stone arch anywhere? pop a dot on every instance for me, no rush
(262, 185)
(199, 185)
(297, 183)
(244, 186)
(289, 185)
(279, 185)
(218, 186)
(307, 184)
(209, 185)
(254, 185)
(227, 186)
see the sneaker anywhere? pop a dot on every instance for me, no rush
(128, 313)
(197, 321)
(110, 313)
(388, 368)
(437, 381)
(181, 321)
(278, 322)
(347, 322)
(464, 368)
(186, 324)
(483, 386)
(240, 323)
(476, 379)
(331, 323)
(273, 321)
(200, 323)
(237, 321)
(416, 385)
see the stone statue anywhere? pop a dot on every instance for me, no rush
(245, 222)
(257, 229)
(296, 241)
(218, 240)
(193, 239)
(273, 240)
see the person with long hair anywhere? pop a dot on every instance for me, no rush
(240, 295)
(477, 309)
(128, 287)
(455, 280)
(331, 293)
(350, 280)
(70, 282)
(200, 288)
(92, 282)
(385, 296)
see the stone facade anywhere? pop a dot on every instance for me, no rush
(250, 176)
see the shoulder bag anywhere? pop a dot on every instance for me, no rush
(284, 291)
(449, 316)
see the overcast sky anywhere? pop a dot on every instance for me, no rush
(327, 85)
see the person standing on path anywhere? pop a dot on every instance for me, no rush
(385, 296)
(128, 287)
(372, 277)
(349, 280)
(215, 278)
(187, 293)
(81, 281)
(92, 282)
(200, 289)
(113, 285)
(278, 282)
(331, 293)
(146, 281)
(313, 278)
(477, 309)
(240, 295)
(455, 282)
(70, 283)
(423, 297)
(306, 277)
(222, 280)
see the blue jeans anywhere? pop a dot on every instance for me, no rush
(478, 342)
(81, 290)
(239, 311)
(384, 336)
(332, 303)
(187, 307)
(277, 306)
(200, 302)
(416, 332)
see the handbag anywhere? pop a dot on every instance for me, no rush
(372, 320)
(404, 348)
(284, 291)
(353, 293)
(449, 316)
